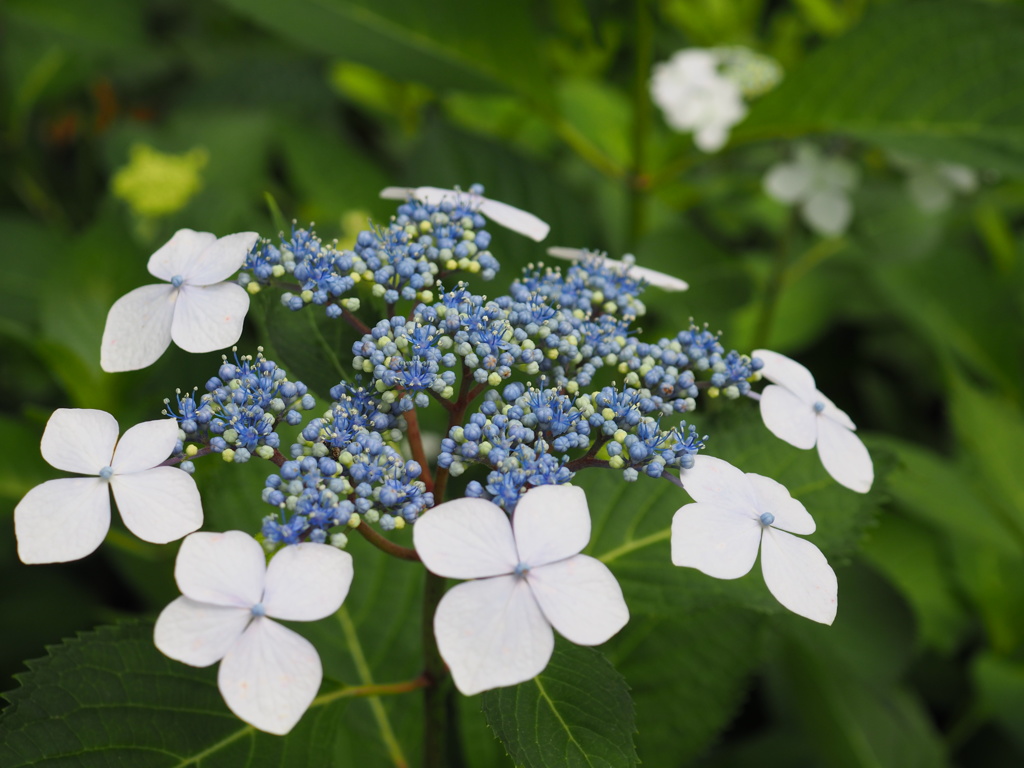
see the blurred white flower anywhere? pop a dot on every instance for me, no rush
(627, 266)
(268, 674)
(528, 577)
(500, 213)
(67, 519)
(820, 185)
(795, 411)
(932, 185)
(695, 96)
(736, 514)
(194, 307)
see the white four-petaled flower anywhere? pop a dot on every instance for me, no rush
(820, 185)
(795, 411)
(529, 577)
(504, 214)
(268, 674)
(67, 519)
(626, 266)
(194, 308)
(695, 96)
(735, 514)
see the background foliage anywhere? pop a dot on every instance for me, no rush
(912, 322)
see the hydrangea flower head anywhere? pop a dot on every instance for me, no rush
(268, 674)
(695, 96)
(626, 266)
(528, 577)
(795, 411)
(736, 514)
(932, 185)
(820, 185)
(195, 308)
(501, 213)
(67, 519)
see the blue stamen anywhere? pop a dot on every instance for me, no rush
(177, 280)
(258, 610)
(106, 473)
(819, 407)
(767, 518)
(521, 569)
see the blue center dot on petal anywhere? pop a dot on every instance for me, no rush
(177, 280)
(106, 473)
(258, 610)
(767, 518)
(819, 407)
(521, 569)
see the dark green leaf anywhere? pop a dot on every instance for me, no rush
(577, 712)
(691, 672)
(943, 79)
(443, 44)
(110, 698)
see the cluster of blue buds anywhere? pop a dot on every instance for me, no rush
(240, 412)
(344, 470)
(400, 261)
(536, 356)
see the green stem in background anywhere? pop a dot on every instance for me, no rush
(637, 181)
(435, 712)
(387, 733)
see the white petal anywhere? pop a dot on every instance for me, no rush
(221, 568)
(221, 259)
(466, 539)
(62, 520)
(773, 498)
(159, 505)
(79, 440)
(198, 634)
(580, 598)
(659, 279)
(397, 193)
(515, 219)
(788, 417)
(176, 256)
(551, 523)
(715, 540)
(828, 212)
(144, 446)
(711, 138)
(307, 582)
(270, 676)
(844, 456)
(138, 328)
(799, 576)
(500, 213)
(492, 633)
(569, 254)
(831, 411)
(786, 372)
(787, 182)
(210, 317)
(718, 482)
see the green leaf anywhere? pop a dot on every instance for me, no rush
(577, 712)
(443, 44)
(947, 82)
(1000, 686)
(108, 697)
(691, 671)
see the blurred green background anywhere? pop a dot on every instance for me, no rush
(124, 120)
